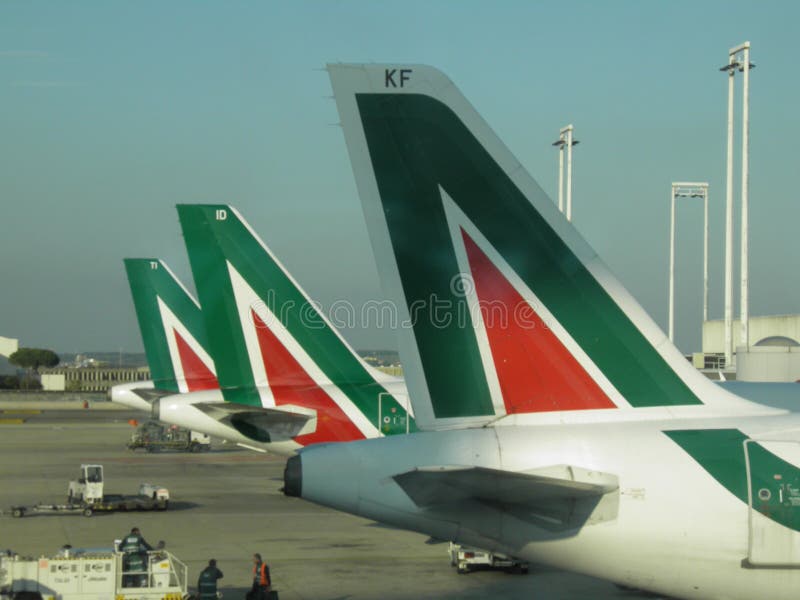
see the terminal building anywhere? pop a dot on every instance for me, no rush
(773, 354)
(87, 375)
(90, 379)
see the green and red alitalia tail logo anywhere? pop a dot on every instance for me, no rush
(270, 343)
(453, 215)
(172, 328)
(191, 363)
(286, 375)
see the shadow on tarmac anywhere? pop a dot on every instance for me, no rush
(489, 590)
(178, 505)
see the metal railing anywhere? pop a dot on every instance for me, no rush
(147, 571)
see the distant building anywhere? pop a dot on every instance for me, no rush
(395, 370)
(773, 354)
(768, 363)
(53, 382)
(8, 346)
(91, 379)
(776, 330)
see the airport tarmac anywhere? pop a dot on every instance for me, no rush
(226, 504)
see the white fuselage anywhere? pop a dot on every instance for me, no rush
(182, 410)
(670, 528)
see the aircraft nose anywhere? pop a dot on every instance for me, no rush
(293, 477)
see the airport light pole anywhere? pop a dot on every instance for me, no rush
(686, 189)
(560, 144)
(731, 69)
(565, 141)
(744, 307)
(744, 65)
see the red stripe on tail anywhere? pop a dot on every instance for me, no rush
(536, 372)
(290, 384)
(197, 374)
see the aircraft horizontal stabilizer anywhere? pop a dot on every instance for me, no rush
(151, 394)
(263, 424)
(431, 486)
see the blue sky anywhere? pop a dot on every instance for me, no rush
(113, 112)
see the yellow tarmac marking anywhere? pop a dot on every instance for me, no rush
(21, 411)
(200, 458)
(12, 421)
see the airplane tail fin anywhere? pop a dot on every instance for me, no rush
(271, 344)
(510, 311)
(172, 329)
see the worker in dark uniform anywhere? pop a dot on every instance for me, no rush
(207, 582)
(134, 550)
(134, 542)
(261, 580)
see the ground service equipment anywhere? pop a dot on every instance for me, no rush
(86, 495)
(154, 437)
(466, 559)
(92, 574)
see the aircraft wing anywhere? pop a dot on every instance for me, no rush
(431, 486)
(261, 423)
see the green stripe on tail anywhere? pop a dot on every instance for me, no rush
(149, 280)
(417, 145)
(721, 453)
(215, 235)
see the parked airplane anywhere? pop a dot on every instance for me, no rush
(576, 434)
(173, 333)
(172, 328)
(287, 378)
(273, 349)
(177, 350)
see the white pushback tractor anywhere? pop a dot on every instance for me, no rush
(87, 496)
(88, 488)
(92, 575)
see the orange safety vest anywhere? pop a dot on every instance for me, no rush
(260, 571)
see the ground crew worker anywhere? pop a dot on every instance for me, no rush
(261, 580)
(134, 550)
(135, 565)
(134, 542)
(207, 582)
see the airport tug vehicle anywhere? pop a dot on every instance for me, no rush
(153, 436)
(86, 495)
(467, 558)
(92, 574)
(88, 487)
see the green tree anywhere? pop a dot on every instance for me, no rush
(73, 386)
(30, 382)
(33, 358)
